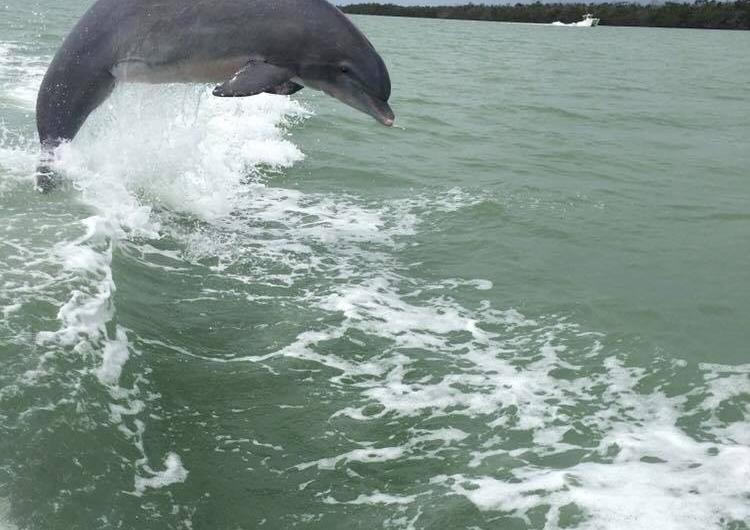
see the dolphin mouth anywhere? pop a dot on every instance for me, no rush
(381, 111)
(361, 99)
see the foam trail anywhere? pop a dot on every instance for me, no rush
(5, 522)
(186, 151)
(173, 473)
(138, 162)
(482, 394)
(499, 369)
(114, 357)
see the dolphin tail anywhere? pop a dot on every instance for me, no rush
(46, 179)
(66, 98)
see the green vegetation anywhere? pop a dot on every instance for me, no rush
(701, 14)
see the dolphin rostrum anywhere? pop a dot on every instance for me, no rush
(247, 46)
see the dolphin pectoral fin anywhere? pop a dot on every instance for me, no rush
(285, 89)
(253, 78)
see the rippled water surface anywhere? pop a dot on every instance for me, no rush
(524, 307)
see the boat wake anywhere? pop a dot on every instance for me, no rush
(189, 334)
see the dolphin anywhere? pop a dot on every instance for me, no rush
(245, 46)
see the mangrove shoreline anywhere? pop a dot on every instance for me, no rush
(701, 14)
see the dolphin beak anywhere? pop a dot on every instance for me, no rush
(363, 101)
(381, 111)
(374, 106)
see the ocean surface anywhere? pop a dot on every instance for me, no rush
(525, 307)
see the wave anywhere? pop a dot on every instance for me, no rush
(149, 154)
(528, 416)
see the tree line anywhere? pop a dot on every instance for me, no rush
(701, 14)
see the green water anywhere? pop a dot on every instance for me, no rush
(524, 307)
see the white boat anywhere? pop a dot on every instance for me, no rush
(589, 21)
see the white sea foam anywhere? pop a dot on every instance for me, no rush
(500, 369)
(114, 357)
(357, 455)
(89, 308)
(692, 485)
(643, 466)
(186, 151)
(21, 74)
(174, 472)
(18, 159)
(724, 383)
(375, 498)
(5, 522)
(156, 151)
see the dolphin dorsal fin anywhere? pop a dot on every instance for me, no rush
(253, 78)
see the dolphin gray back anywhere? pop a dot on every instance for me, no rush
(186, 41)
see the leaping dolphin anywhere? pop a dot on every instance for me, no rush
(248, 46)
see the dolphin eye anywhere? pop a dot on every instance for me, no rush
(344, 68)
